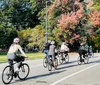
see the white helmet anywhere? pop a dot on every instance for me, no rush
(16, 40)
(52, 42)
(63, 43)
(82, 44)
(49, 41)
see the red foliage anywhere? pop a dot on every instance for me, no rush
(94, 18)
(69, 20)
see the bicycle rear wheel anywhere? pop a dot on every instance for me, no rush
(67, 58)
(78, 61)
(49, 65)
(7, 75)
(61, 58)
(45, 61)
(24, 71)
(86, 59)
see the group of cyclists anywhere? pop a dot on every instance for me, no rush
(84, 49)
(50, 50)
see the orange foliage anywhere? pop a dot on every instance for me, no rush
(94, 18)
(71, 19)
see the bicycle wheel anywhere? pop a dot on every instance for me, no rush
(78, 61)
(7, 75)
(50, 65)
(61, 59)
(67, 58)
(86, 59)
(45, 62)
(24, 71)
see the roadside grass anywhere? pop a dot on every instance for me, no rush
(31, 56)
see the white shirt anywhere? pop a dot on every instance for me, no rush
(14, 48)
(64, 47)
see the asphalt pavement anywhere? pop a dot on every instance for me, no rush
(66, 74)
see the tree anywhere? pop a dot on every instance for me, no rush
(31, 37)
(37, 37)
(19, 13)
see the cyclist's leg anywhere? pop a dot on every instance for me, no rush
(11, 64)
(46, 53)
(80, 55)
(53, 59)
(84, 53)
(18, 61)
(66, 53)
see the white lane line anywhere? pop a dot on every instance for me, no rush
(73, 74)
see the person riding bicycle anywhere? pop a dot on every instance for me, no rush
(52, 52)
(64, 48)
(91, 50)
(87, 47)
(11, 55)
(46, 48)
(82, 51)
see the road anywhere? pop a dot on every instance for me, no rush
(67, 74)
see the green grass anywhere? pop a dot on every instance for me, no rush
(31, 56)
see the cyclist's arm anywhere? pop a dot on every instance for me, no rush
(19, 47)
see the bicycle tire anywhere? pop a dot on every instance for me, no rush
(86, 59)
(8, 74)
(78, 61)
(67, 58)
(61, 59)
(23, 70)
(45, 62)
(50, 65)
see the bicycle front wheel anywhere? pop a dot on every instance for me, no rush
(45, 61)
(24, 71)
(7, 75)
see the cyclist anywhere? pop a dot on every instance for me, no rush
(52, 52)
(91, 51)
(46, 48)
(87, 47)
(64, 48)
(11, 55)
(82, 52)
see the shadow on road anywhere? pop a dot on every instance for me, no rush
(39, 76)
(48, 74)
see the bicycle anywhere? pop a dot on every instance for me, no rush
(63, 57)
(51, 64)
(90, 54)
(85, 59)
(8, 73)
